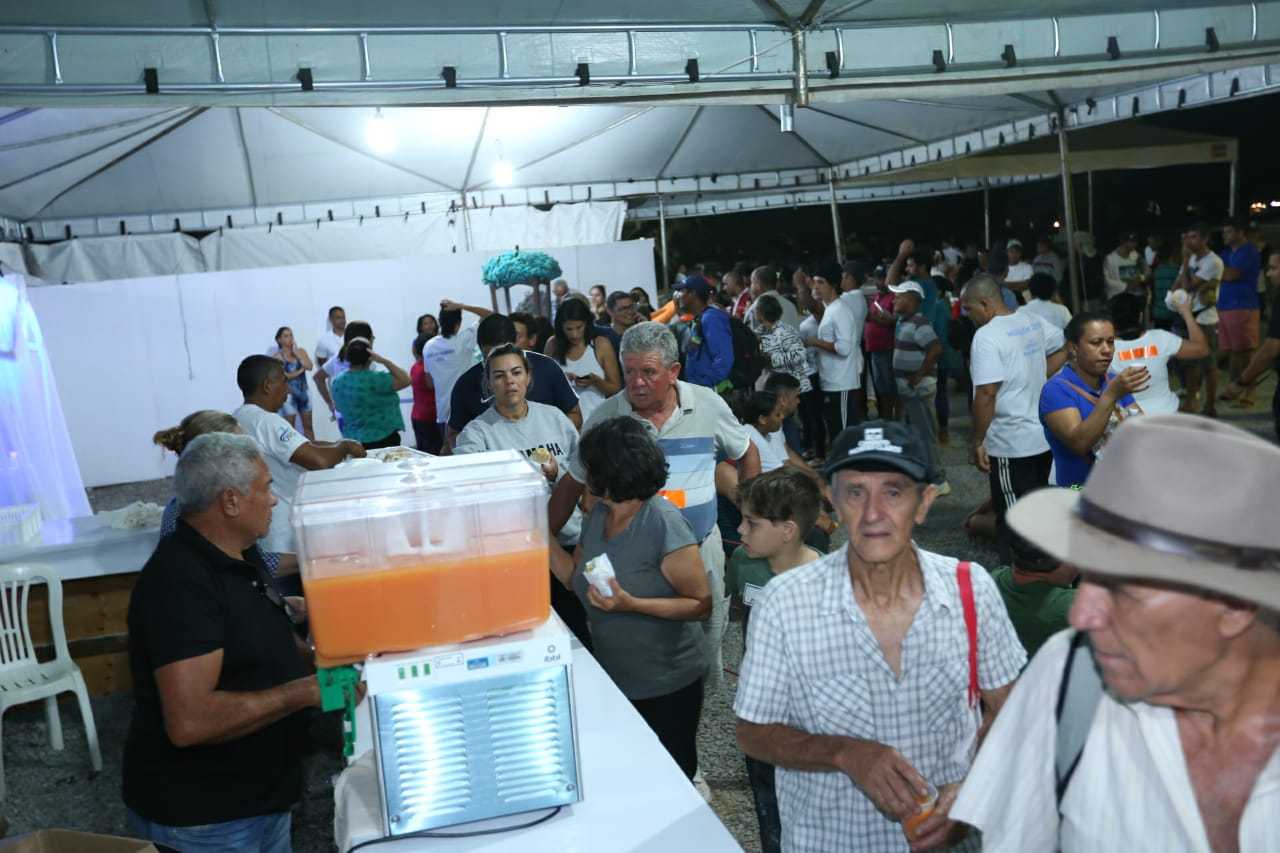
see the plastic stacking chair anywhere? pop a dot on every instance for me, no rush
(22, 677)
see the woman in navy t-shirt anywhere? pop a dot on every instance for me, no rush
(1078, 406)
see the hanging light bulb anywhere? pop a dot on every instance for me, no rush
(379, 133)
(503, 173)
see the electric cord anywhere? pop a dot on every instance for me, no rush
(424, 833)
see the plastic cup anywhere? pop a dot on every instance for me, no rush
(927, 804)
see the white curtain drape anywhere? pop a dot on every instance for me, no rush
(38, 464)
(89, 259)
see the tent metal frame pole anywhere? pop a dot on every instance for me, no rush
(986, 214)
(1232, 187)
(835, 221)
(1090, 174)
(1068, 201)
(662, 234)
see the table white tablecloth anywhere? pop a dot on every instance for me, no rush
(634, 796)
(86, 547)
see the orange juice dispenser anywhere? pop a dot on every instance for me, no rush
(400, 555)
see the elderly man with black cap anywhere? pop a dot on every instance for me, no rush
(866, 670)
(1155, 724)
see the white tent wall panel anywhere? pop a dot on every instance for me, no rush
(392, 235)
(107, 258)
(12, 259)
(187, 333)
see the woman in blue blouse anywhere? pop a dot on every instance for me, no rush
(1079, 406)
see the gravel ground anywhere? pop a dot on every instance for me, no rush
(47, 789)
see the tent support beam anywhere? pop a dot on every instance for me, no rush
(986, 215)
(289, 117)
(867, 125)
(1233, 184)
(835, 221)
(1090, 174)
(697, 114)
(1068, 203)
(773, 120)
(475, 152)
(248, 164)
(662, 234)
(193, 113)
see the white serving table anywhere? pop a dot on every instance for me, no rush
(634, 796)
(86, 547)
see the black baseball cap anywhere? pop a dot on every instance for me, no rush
(880, 446)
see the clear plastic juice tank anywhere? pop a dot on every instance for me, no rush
(400, 555)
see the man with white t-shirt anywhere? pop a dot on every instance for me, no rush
(327, 349)
(1198, 280)
(1138, 346)
(1043, 288)
(285, 450)
(764, 282)
(1123, 269)
(839, 354)
(451, 353)
(1012, 355)
(1019, 272)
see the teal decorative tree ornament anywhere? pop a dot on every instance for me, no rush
(517, 267)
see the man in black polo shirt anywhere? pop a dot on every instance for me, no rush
(470, 398)
(212, 760)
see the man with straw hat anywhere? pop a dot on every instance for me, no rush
(1154, 725)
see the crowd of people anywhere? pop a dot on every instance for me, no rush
(710, 442)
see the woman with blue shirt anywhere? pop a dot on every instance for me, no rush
(1079, 406)
(369, 399)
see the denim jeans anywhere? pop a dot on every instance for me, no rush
(263, 834)
(918, 412)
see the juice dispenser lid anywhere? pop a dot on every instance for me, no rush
(389, 489)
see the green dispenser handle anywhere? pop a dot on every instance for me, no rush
(338, 691)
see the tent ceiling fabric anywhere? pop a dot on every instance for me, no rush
(118, 164)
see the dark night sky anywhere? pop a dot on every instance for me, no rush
(1122, 200)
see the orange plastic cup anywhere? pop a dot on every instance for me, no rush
(927, 804)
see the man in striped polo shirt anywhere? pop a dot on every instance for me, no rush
(692, 424)
(916, 350)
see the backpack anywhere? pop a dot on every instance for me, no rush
(748, 361)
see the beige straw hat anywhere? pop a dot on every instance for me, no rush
(1174, 499)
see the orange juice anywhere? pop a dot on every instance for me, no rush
(927, 803)
(416, 601)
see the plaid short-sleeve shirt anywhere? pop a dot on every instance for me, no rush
(813, 664)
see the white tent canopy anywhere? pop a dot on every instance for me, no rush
(230, 137)
(1116, 146)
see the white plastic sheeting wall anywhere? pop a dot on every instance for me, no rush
(135, 356)
(490, 229)
(37, 464)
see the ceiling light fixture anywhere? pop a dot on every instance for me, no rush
(503, 173)
(379, 133)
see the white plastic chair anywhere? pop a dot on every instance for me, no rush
(22, 677)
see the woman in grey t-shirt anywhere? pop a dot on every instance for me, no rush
(646, 634)
(542, 433)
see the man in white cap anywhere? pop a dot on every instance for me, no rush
(1019, 272)
(1154, 725)
(916, 350)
